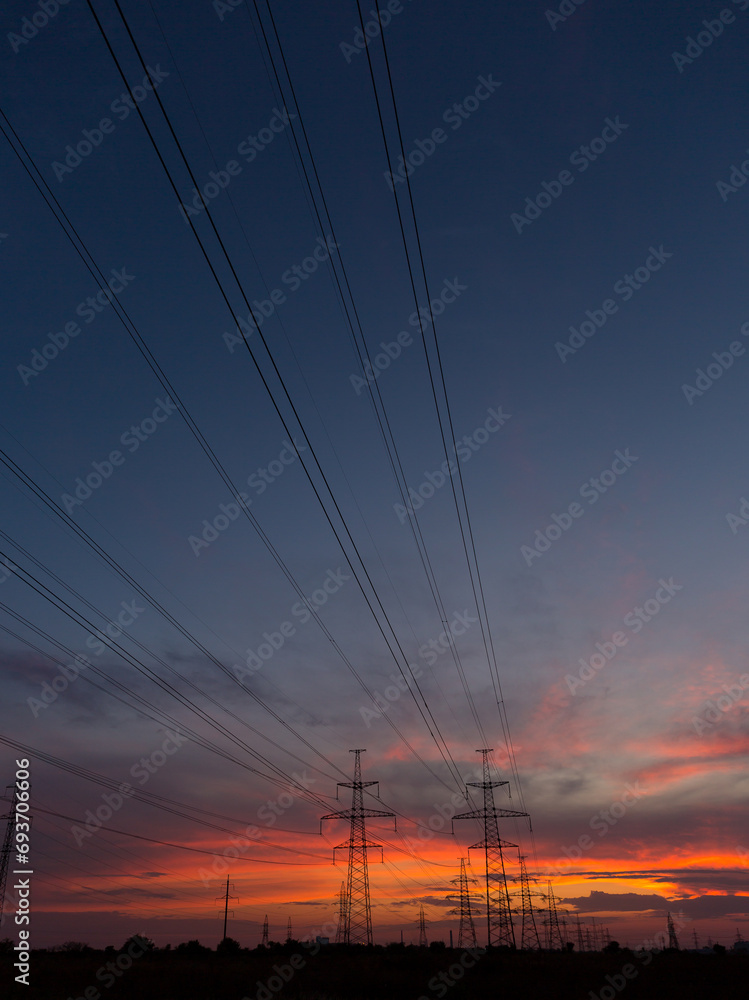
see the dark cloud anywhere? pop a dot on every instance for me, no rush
(700, 906)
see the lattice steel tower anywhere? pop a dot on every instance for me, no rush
(467, 929)
(422, 928)
(341, 914)
(555, 931)
(529, 933)
(357, 926)
(673, 941)
(265, 932)
(499, 928)
(6, 851)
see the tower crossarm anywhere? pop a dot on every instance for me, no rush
(483, 813)
(367, 813)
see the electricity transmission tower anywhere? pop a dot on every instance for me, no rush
(357, 923)
(341, 913)
(499, 928)
(5, 852)
(265, 932)
(529, 933)
(467, 930)
(673, 941)
(580, 945)
(288, 930)
(226, 897)
(422, 928)
(555, 931)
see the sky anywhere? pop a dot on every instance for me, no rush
(217, 382)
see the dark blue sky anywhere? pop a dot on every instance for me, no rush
(644, 196)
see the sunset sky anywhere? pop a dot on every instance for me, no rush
(579, 187)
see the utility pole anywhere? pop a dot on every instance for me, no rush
(358, 922)
(422, 928)
(499, 928)
(265, 932)
(6, 849)
(226, 898)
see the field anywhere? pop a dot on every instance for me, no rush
(296, 972)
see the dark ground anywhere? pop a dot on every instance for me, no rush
(392, 973)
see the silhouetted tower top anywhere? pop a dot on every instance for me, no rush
(265, 932)
(358, 922)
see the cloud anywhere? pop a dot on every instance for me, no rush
(700, 906)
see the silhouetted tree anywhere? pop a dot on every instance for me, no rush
(229, 946)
